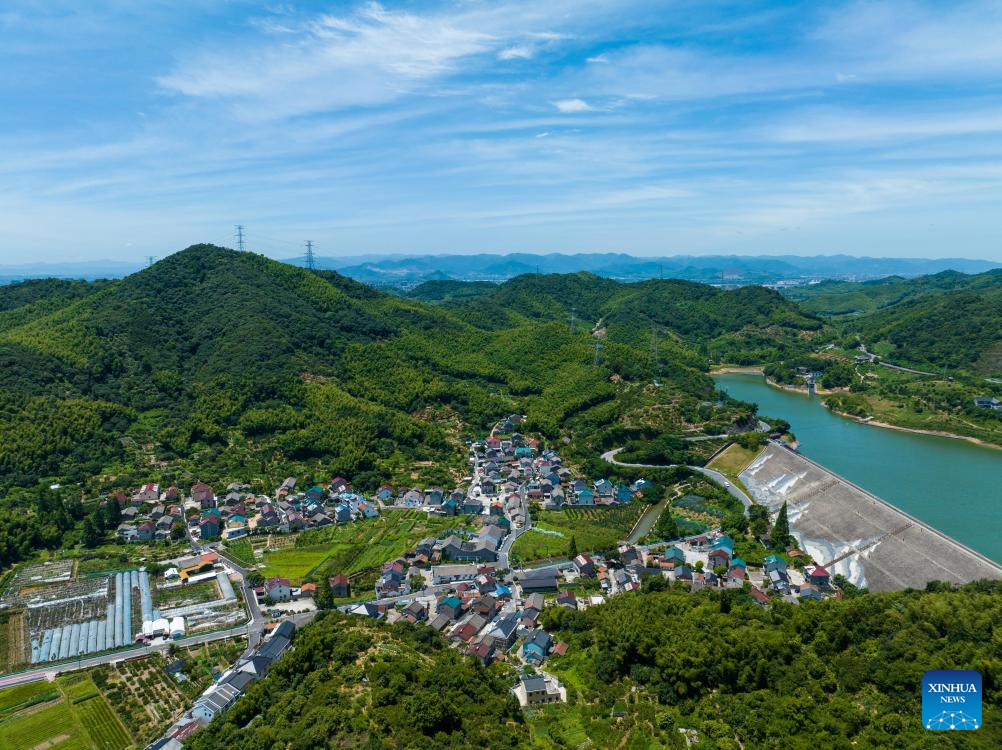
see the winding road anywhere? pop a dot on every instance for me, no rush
(726, 483)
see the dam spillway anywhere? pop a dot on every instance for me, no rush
(855, 533)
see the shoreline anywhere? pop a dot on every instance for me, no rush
(861, 420)
(803, 391)
(737, 370)
(916, 430)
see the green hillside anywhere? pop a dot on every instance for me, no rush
(352, 683)
(946, 321)
(694, 322)
(24, 301)
(954, 330)
(227, 366)
(833, 674)
(837, 298)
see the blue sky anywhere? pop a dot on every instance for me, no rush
(134, 128)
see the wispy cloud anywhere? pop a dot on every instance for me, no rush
(571, 124)
(573, 105)
(518, 52)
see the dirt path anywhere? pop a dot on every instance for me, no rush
(51, 741)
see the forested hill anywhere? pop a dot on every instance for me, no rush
(842, 673)
(947, 321)
(747, 324)
(23, 301)
(351, 683)
(958, 330)
(835, 298)
(835, 674)
(229, 366)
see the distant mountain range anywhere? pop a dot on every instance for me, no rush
(409, 270)
(718, 269)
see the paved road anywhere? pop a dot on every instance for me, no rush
(726, 483)
(252, 629)
(876, 361)
(256, 623)
(49, 672)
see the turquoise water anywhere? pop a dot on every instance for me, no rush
(953, 485)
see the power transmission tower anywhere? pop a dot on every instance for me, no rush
(150, 260)
(598, 350)
(573, 318)
(240, 237)
(310, 261)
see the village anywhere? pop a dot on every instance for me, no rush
(461, 584)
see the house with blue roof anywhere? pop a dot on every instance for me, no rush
(537, 646)
(774, 562)
(674, 554)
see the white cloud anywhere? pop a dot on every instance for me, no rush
(603, 58)
(516, 53)
(573, 105)
(365, 58)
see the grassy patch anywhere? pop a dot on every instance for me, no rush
(21, 696)
(80, 717)
(733, 460)
(592, 528)
(357, 546)
(295, 562)
(241, 551)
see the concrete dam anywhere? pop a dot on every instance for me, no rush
(855, 533)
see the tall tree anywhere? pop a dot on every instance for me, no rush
(91, 532)
(572, 549)
(781, 529)
(667, 526)
(758, 520)
(112, 513)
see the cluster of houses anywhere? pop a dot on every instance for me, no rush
(480, 614)
(227, 688)
(150, 514)
(482, 547)
(514, 467)
(708, 561)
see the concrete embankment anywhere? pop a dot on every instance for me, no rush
(854, 532)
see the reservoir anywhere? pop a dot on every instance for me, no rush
(952, 485)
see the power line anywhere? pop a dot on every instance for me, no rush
(240, 237)
(310, 262)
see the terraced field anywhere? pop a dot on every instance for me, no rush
(592, 529)
(357, 546)
(69, 715)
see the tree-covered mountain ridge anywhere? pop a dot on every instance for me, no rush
(694, 321)
(946, 321)
(227, 365)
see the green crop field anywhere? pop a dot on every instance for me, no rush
(242, 551)
(80, 718)
(56, 722)
(592, 529)
(205, 591)
(295, 562)
(356, 546)
(101, 724)
(15, 698)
